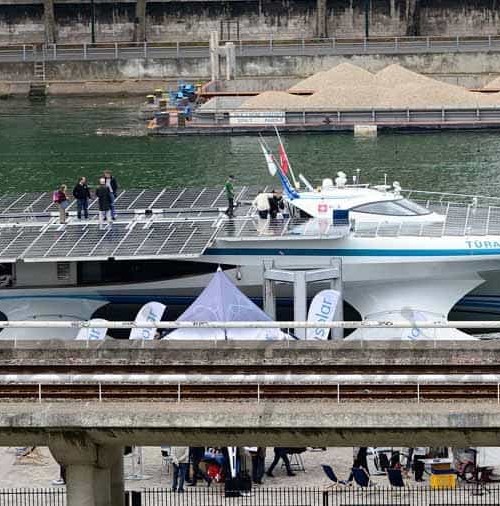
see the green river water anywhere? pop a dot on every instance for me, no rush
(43, 145)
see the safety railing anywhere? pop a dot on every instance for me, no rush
(471, 494)
(268, 44)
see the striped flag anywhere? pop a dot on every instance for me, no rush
(271, 164)
(284, 163)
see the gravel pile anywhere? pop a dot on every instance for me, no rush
(275, 100)
(344, 74)
(493, 85)
(349, 87)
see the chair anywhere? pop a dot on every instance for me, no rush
(395, 478)
(330, 473)
(361, 477)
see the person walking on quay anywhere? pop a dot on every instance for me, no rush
(60, 198)
(104, 199)
(112, 185)
(280, 453)
(229, 189)
(180, 463)
(81, 193)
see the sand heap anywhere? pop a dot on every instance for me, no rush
(344, 74)
(349, 87)
(275, 100)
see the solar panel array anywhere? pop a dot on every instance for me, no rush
(88, 241)
(182, 223)
(130, 201)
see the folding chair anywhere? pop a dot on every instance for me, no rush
(330, 473)
(395, 477)
(362, 478)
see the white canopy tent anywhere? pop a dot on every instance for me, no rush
(222, 301)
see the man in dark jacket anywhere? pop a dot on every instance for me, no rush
(112, 185)
(81, 193)
(280, 453)
(104, 199)
(275, 204)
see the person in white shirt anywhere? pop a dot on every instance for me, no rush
(261, 202)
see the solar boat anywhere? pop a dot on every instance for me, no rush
(404, 254)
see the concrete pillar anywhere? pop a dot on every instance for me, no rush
(321, 30)
(80, 485)
(214, 55)
(140, 21)
(94, 473)
(49, 21)
(269, 298)
(230, 60)
(413, 23)
(117, 484)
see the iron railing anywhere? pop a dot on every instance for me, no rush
(264, 46)
(33, 497)
(468, 495)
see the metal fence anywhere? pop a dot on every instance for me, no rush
(33, 497)
(469, 495)
(339, 118)
(262, 47)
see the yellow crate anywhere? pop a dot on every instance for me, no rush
(443, 480)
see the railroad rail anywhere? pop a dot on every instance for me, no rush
(256, 392)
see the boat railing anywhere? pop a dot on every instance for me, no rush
(423, 195)
(459, 219)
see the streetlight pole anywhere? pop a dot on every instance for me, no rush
(92, 22)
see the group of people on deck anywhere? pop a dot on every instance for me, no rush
(105, 193)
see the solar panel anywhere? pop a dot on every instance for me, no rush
(127, 198)
(21, 242)
(167, 198)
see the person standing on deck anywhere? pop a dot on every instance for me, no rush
(229, 189)
(112, 185)
(61, 199)
(81, 193)
(104, 199)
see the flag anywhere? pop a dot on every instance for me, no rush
(322, 309)
(150, 312)
(92, 334)
(284, 163)
(271, 164)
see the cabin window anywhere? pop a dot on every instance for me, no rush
(402, 207)
(63, 271)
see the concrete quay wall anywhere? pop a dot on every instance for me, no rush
(130, 355)
(183, 20)
(315, 423)
(253, 73)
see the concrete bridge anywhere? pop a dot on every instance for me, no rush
(89, 436)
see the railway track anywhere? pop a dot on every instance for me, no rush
(250, 392)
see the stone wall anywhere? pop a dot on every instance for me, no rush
(472, 70)
(23, 21)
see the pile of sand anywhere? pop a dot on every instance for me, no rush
(349, 87)
(344, 74)
(276, 100)
(493, 85)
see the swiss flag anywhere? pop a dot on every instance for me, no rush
(284, 165)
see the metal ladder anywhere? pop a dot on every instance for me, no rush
(38, 86)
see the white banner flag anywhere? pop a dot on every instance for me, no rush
(92, 334)
(322, 309)
(271, 164)
(150, 312)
